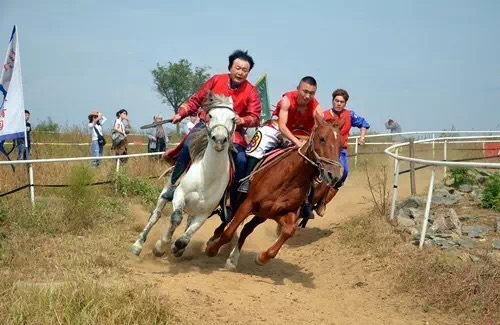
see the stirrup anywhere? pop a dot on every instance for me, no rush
(306, 212)
(169, 193)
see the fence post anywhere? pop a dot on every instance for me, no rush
(32, 184)
(413, 186)
(445, 155)
(427, 209)
(117, 165)
(395, 188)
(356, 152)
(433, 146)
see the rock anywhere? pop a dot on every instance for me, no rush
(474, 258)
(414, 232)
(450, 190)
(478, 231)
(498, 224)
(443, 243)
(466, 217)
(411, 202)
(453, 222)
(466, 242)
(439, 224)
(476, 194)
(405, 222)
(480, 179)
(465, 188)
(496, 244)
(440, 192)
(444, 236)
(443, 196)
(416, 213)
(403, 213)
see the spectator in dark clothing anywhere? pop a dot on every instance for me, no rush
(24, 152)
(395, 128)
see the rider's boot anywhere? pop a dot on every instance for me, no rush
(179, 169)
(306, 211)
(245, 185)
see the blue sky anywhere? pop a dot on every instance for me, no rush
(426, 64)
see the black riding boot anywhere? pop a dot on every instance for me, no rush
(306, 212)
(176, 174)
(251, 163)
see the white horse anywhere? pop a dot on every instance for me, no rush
(202, 187)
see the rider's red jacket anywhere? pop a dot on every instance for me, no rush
(246, 103)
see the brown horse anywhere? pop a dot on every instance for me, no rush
(279, 192)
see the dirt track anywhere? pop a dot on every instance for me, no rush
(312, 280)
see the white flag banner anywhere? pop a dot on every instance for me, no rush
(12, 122)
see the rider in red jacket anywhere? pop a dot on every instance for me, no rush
(247, 107)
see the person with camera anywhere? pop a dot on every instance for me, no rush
(96, 120)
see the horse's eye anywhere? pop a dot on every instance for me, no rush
(210, 115)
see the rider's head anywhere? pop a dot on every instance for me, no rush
(339, 99)
(240, 64)
(307, 90)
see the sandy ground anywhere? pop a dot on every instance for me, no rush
(312, 280)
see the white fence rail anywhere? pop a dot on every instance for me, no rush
(431, 134)
(393, 152)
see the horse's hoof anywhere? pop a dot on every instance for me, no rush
(230, 265)
(178, 247)
(211, 251)
(156, 251)
(136, 249)
(177, 252)
(258, 260)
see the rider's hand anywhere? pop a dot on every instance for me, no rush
(238, 120)
(154, 139)
(300, 143)
(176, 118)
(361, 141)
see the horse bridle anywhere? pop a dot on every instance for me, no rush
(317, 160)
(211, 129)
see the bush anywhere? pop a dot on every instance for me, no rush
(491, 193)
(460, 176)
(127, 186)
(82, 200)
(47, 126)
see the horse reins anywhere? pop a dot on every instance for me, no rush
(319, 160)
(210, 129)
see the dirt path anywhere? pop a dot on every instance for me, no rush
(312, 280)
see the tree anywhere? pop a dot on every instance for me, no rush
(176, 82)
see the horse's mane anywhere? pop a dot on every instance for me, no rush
(199, 139)
(215, 100)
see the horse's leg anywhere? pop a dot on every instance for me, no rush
(136, 248)
(226, 236)
(232, 261)
(287, 231)
(218, 231)
(321, 206)
(175, 220)
(180, 244)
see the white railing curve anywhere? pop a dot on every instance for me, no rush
(393, 152)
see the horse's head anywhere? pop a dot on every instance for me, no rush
(220, 120)
(324, 149)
